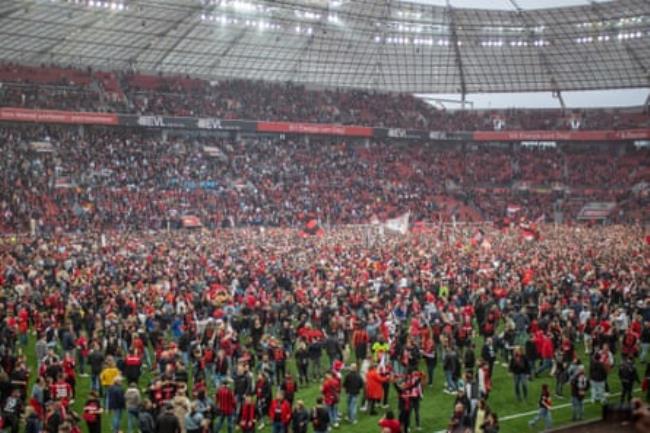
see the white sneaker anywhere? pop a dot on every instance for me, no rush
(261, 426)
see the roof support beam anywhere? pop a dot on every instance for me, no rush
(546, 64)
(453, 40)
(637, 60)
(180, 38)
(228, 48)
(317, 28)
(7, 13)
(59, 42)
(628, 49)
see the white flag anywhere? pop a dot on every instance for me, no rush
(399, 224)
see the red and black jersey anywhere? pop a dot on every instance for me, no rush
(289, 387)
(225, 400)
(168, 391)
(360, 337)
(247, 416)
(330, 390)
(61, 391)
(280, 411)
(91, 409)
(279, 355)
(156, 395)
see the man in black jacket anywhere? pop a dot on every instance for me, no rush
(628, 375)
(320, 418)
(167, 421)
(96, 362)
(597, 378)
(300, 418)
(146, 421)
(353, 384)
(520, 369)
(243, 385)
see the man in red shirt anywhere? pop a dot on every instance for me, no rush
(546, 353)
(247, 415)
(225, 401)
(389, 423)
(331, 389)
(280, 413)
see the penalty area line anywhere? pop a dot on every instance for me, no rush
(534, 412)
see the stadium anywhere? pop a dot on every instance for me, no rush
(301, 216)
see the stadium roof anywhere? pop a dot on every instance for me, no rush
(425, 46)
(507, 4)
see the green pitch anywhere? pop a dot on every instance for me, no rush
(436, 406)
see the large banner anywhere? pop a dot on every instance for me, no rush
(604, 135)
(314, 128)
(12, 114)
(407, 134)
(175, 122)
(56, 116)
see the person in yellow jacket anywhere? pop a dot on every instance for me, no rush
(109, 373)
(444, 291)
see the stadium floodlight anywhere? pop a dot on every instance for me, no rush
(242, 6)
(307, 15)
(334, 19)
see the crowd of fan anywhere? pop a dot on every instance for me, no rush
(116, 178)
(363, 321)
(85, 90)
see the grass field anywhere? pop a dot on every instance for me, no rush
(436, 407)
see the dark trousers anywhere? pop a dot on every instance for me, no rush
(386, 386)
(626, 392)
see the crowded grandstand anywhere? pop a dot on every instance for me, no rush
(298, 216)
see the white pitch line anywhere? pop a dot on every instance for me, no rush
(534, 412)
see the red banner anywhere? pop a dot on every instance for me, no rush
(605, 135)
(314, 128)
(56, 116)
